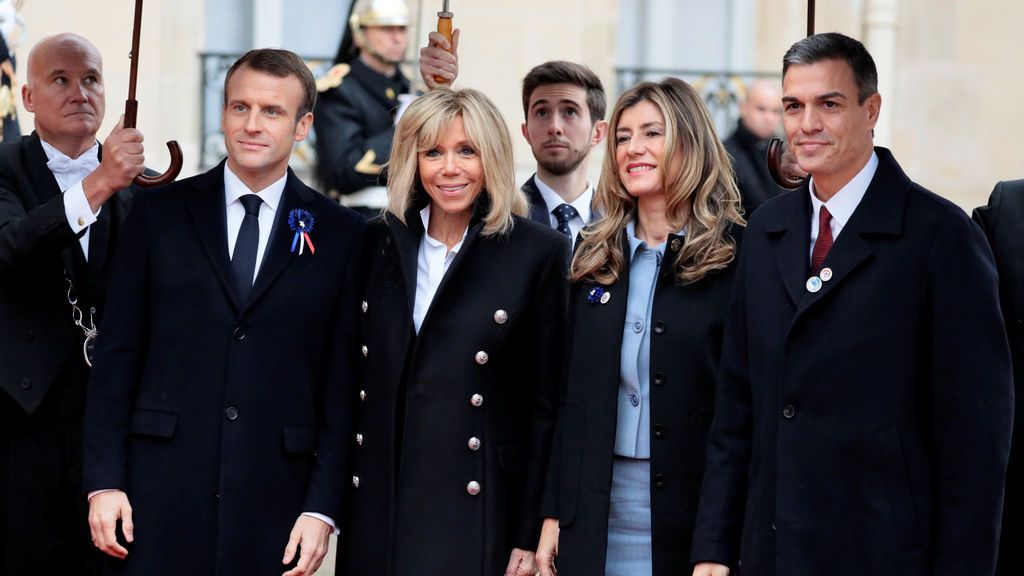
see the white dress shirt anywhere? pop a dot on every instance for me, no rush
(433, 261)
(76, 206)
(234, 189)
(843, 203)
(582, 205)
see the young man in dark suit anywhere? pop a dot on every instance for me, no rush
(564, 104)
(1002, 220)
(61, 210)
(865, 398)
(218, 413)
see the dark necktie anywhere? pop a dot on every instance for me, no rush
(243, 261)
(563, 214)
(823, 242)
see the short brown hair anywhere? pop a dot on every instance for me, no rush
(279, 63)
(562, 72)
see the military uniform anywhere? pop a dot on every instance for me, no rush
(354, 121)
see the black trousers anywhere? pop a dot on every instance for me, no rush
(43, 514)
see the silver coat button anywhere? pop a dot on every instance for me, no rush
(476, 400)
(362, 395)
(473, 488)
(676, 244)
(365, 306)
(482, 357)
(359, 439)
(355, 481)
(474, 443)
(365, 350)
(501, 316)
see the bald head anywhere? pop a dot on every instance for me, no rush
(761, 111)
(64, 90)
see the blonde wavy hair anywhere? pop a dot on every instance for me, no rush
(421, 128)
(702, 194)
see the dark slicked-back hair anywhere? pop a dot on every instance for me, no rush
(835, 46)
(279, 63)
(562, 72)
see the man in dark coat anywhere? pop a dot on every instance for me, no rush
(356, 113)
(865, 400)
(61, 210)
(760, 115)
(219, 403)
(564, 104)
(1003, 223)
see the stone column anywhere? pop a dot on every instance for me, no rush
(881, 21)
(267, 19)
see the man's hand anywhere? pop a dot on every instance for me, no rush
(311, 536)
(547, 549)
(123, 160)
(439, 58)
(105, 509)
(521, 563)
(710, 569)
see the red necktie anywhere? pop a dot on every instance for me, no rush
(824, 241)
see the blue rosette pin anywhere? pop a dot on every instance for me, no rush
(301, 222)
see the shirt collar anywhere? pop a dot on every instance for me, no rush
(845, 201)
(234, 189)
(637, 244)
(52, 152)
(552, 200)
(425, 217)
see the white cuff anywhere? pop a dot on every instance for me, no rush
(95, 492)
(76, 208)
(326, 520)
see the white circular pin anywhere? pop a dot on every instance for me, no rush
(813, 284)
(606, 297)
(826, 274)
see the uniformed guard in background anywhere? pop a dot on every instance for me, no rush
(359, 102)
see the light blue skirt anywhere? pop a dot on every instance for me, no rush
(629, 519)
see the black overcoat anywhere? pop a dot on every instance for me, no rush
(223, 420)
(686, 342)
(863, 428)
(1003, 223)
(484, 366)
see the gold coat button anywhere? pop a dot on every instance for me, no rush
(474, 443)
(359, 439)
(355, 481)
(81, 221)
(482, 357)
(676, 244)
(500, 317)
(476, 400)
(365, 350)
(473, 488)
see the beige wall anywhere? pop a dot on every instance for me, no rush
(168, 85)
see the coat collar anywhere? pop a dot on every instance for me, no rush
(538, 208)
(208, 210)
(880, 213)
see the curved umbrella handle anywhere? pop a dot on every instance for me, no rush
(774, 160)
(168, 176)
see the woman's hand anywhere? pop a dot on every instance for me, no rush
(521, 563)
(547, 549)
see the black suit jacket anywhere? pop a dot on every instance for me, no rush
(686, 342)
(39, 343)
(1003, 223)
(223, 419)
(863, 428)
(410, 510)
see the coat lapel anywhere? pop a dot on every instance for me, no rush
(45, 187)
(278, 253)
(407, 244)
(468, 246)
(792, 228)
(538, 208)
(209, 215)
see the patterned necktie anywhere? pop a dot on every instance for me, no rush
(243, 261)
(824, 241)
(563, 214)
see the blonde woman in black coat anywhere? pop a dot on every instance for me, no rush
(463, 316)
(650, 283)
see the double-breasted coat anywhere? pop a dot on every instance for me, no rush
(862, 428)
(686, 341)
(223, 419)
(42, 367)
(1003, 223)
(454, 424)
